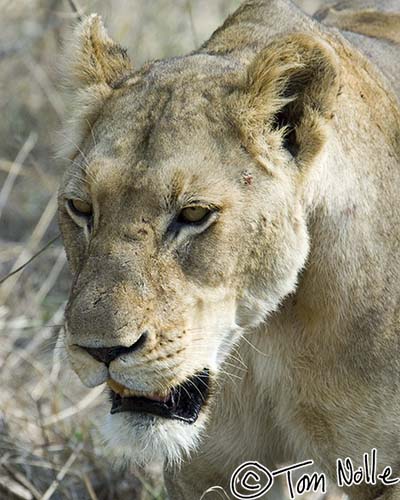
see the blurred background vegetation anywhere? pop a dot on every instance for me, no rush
(49, 443)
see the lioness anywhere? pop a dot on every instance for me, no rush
(231, 218)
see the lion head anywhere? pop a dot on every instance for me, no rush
(181, 213)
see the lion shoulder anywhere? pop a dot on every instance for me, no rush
(371, 22)
(372, 28)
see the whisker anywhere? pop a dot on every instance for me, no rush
(184, 388)
(234, 366)
(33, 327)
(254, 347)
(230, 375)
(197, 389)
(77, 147)
(91, 132)
(238, 359)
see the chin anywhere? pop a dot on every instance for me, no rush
(144, 428)
(139, 439)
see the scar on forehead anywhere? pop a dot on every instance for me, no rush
(247, 178)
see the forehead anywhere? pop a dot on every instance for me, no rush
(169, 104)
(165, 128)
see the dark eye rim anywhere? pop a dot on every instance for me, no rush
(76, 213)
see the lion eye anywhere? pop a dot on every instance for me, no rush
(80, 209)
(194, 215)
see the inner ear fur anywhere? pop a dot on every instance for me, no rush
(287, 96)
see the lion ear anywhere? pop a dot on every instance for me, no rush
(288, 95)
(93, 66)
(93, 58)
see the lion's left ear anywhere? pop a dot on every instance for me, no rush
(288, 95)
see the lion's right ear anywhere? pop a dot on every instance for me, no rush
(93, 58)
(93, 66)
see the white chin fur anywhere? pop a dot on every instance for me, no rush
(137, 439)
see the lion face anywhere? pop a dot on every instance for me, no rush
(177, 236)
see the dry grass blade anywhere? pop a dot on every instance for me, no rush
(7, 166)
(52, 277)
(43, 80)
(20, 268)
(44, 334)
(37, 235)
(89, 487)
(60, 476)
(15, 169)
(11, 487)
(87, 401)
(23, 481)
(76, 9)
(189, 8)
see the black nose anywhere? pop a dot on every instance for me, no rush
(107, 354)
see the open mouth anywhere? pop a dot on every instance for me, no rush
(183, 402)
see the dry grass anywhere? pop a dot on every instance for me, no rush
(49, 441)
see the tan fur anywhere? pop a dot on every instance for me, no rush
(296, 73)
(369, 22)
(94, 58)
(291, 296)
(93, 64)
